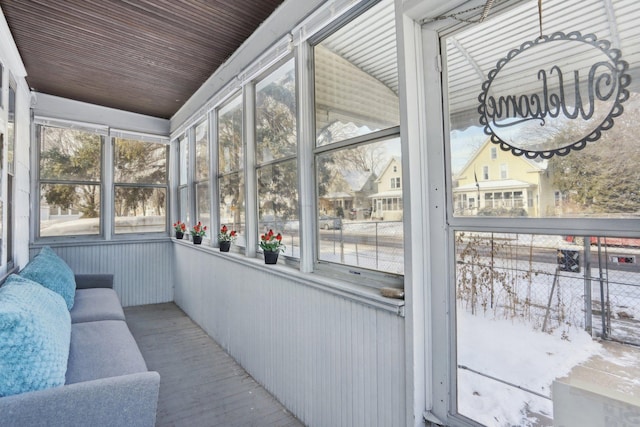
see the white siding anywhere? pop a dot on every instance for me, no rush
(330, 360)
(142, 270)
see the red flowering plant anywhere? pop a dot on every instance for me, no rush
(180, 227)
(199, 230)
(271, 242)
(226, 235)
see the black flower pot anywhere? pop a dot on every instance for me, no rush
(179, 235)
(271, 257)
(224, 246)
(197, 240)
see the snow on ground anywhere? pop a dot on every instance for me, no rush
(514, 353)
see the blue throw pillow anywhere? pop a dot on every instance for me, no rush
(48, 269)
(35, 333)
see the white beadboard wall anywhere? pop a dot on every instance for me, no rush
(143, 271)
(330, 360)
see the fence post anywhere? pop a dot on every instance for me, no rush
(341, 246)
(588, 300)
(377, 244)
(553, 287)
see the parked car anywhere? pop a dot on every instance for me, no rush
(270, 222)
(329, 222)
(360, 213)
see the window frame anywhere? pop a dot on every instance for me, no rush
(233, 97)
(117, 184)
(201, 182)
(374, 279)
(251, 159)
(442, 385)
(105, 183)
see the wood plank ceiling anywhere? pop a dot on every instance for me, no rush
(143, 56)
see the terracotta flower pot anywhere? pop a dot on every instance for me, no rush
(197, 240)
(224, 246)
(179, 234)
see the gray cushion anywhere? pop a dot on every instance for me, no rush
(102, 349)
(96, 304)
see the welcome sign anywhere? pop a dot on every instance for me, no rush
(554, 95)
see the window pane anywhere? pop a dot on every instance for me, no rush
(183, 202)
(278, 203)
(276, 114)
(203, 206)
(356, 77)
(536, 327)
(360, 206)
(202, 151)
(554, 81)
(140, 210)
(230, 136)
(11, 130)
(69, 209)
(140, 162)
(68, 154)
(1, 85)
(232, 204)
(183, 159)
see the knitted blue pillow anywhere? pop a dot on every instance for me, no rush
(35, 334)
(48, 269)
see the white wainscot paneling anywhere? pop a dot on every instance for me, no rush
(143, 271)
(331, 361)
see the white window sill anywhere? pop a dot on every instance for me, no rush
(362, 294)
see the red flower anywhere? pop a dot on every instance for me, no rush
(279, 237)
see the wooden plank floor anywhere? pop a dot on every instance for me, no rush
(200, 384)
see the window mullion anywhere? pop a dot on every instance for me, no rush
(191, 175)
(214, 191)
(251, 195)
(306, 170)
(107, 213)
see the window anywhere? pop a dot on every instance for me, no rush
(231, 186)
(485, 173)
(276, 148)
(70, 181)
(1, 85)
(503, 171)
(357, 153)
(11, 143)
(526, 301)
(140, 186)
(183, 179)
(201, 178)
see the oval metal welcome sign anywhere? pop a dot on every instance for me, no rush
(554, 95)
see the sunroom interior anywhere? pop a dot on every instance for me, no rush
(451, 187)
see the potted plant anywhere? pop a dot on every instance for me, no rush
(226, 237)
(272, 245)
(180, 228)
(198, 232)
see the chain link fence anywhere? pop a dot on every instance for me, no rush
(552, 282)
(375, 245)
